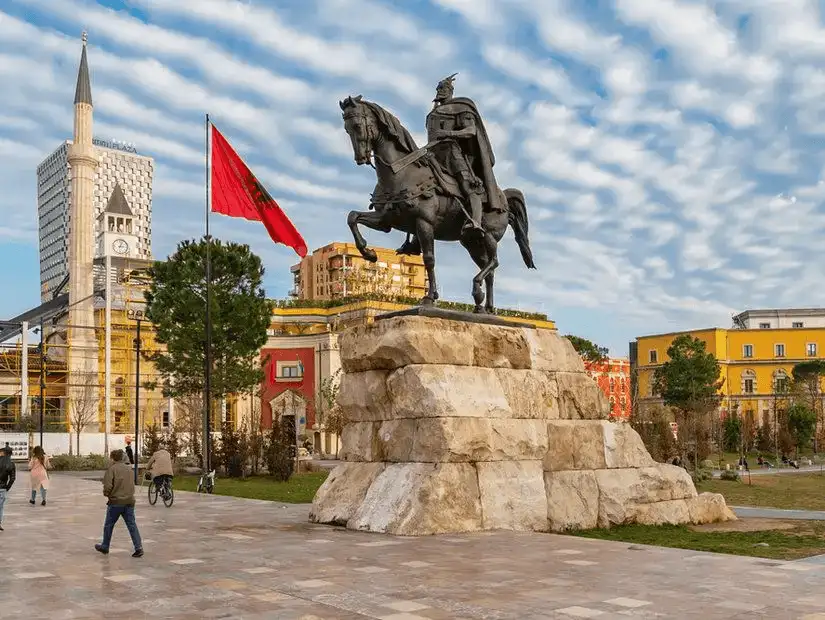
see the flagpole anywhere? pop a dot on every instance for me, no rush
(208, 352)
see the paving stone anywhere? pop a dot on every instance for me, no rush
(261, 560)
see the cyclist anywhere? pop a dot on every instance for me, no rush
(160, 468)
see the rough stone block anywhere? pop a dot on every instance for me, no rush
(400, 341)
(549, 351)
(671, 512)
(363, 397)
(530, 393)
(580, 397)
(572, 500)
(512, 495)
(415, 499)
(436, 391)
(575, 444)
(343, 491)
(621, 491)
(358, 442)
(478, 439)
(623, 447)
(709, 508)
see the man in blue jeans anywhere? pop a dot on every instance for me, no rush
(8, 473)
(119, 488)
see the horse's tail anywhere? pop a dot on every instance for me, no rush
(518, 220)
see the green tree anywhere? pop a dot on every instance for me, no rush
(152, 438)
(732, 432)
(240, 312)
(801, 425)
(589, 351)
(689, 383)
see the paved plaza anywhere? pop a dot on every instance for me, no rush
(218, 557)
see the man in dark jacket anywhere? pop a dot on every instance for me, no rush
(8, 473)
(119, 488)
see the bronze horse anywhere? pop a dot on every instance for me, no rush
(418, 199)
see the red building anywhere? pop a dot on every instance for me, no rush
(613, 377)
(295, 366)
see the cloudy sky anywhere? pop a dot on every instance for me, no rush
(670, 150)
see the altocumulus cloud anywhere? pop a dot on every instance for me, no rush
(668, 150)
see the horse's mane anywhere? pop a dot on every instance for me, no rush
(396, 130)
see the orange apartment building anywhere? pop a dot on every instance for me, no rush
(613, 377)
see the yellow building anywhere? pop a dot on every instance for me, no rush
(338, 270)
(756, 357)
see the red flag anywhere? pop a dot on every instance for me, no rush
(236, 192)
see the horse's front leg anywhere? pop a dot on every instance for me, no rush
(426, 238)
(371, 219)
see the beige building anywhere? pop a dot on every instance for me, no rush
(338, 271)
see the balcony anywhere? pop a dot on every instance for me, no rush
(294, 292)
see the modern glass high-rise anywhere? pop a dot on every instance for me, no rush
(119, 165)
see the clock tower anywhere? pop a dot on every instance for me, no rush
(117, 235)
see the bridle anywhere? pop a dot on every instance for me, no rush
(358, 111)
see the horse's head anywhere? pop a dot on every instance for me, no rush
(361, 127)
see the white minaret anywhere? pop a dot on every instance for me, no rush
(82, 342)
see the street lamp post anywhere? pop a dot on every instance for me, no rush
(137, 316)
(42, 378)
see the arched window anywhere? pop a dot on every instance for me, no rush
(780, 381)
(748, 382)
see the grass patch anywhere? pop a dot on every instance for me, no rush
(299, 489)
(803, 540)
(789, 491)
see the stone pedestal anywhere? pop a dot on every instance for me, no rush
(456, 426)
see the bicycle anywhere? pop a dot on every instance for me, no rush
(206, 483)
(165, 491)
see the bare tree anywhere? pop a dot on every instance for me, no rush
(189, 421)
(84, 404)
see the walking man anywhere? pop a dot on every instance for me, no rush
(8, 472)
(119, 488)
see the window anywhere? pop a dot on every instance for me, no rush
(810, 349)
(779, 350)
(747, 350)
(796, 324)
(653, 356)
(764, 326)
(165, 421)
(748, 382)
(289, 371)
(612, 384)
(780, 382)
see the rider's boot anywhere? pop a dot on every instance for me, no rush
(474, 223)
(410, 247)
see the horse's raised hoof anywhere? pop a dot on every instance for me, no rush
(426, 301)
(369, 254)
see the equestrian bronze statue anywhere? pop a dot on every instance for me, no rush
(444, 191)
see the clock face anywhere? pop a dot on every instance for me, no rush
(120, 246)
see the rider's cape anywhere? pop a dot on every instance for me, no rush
(481, 150)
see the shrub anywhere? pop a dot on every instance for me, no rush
(730, 475)
(70, 462)
(279, 459)
(701, 475)
(152, 438)
(709, 464)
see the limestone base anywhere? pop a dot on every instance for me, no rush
(467, 425)
(415, 499)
